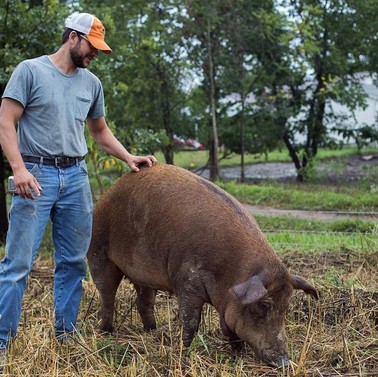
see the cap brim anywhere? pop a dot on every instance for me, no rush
(99, 44)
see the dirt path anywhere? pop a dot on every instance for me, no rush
(311, 215)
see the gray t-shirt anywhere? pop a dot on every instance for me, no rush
(55, 107)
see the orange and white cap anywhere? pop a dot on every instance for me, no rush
(92, 27)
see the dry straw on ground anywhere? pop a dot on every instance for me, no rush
(335, 337)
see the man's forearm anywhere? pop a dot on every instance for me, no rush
(9, 145)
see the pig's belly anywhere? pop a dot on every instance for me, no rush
(147, 274)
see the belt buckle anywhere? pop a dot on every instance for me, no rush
(56, 162)
(62, 162)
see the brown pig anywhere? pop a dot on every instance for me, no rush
(165, 228)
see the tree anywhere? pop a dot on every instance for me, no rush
(202, 39)
(246, 57)
(326, 47)
(143, 89)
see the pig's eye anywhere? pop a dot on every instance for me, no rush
(264, 307)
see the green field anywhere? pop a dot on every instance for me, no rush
(197, 159)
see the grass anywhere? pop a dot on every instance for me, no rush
(285, 223)
(311, 236)
(336, 336)
(361, 196)
(310, 197)
(309, 242)
(197, 159)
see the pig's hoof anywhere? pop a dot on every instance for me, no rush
(106, 329)
(149, 328)
(237, 346)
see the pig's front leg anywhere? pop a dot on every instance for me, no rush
(190, 309)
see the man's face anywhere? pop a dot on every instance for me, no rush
(82, 52)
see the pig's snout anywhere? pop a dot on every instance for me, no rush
(275, 355)
(281, 361)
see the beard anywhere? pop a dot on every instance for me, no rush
(78, 59)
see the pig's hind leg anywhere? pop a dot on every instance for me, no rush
(145, 304)
(107, 285)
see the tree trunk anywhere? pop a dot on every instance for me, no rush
(214, 169)
(286, 138)
(294, 157)
(315, 120)
(168, 151)
(242, 141)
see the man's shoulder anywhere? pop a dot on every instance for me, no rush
(86, 71)
(89, 76)
(33, 63)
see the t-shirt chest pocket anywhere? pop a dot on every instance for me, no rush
(82, 106)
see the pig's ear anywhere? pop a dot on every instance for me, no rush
(299, 283)
(251, 290)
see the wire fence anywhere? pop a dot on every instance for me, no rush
(292, 231)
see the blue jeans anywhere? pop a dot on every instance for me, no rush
(66, 199)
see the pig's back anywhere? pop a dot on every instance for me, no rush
(164, 190)
(163, 216)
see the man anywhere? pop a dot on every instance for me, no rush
(50, 98)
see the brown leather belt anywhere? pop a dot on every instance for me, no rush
(59, 162)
